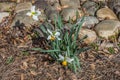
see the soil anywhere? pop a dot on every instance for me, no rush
(17, 62)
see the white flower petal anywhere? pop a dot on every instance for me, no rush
(33, 9)
(29, 14)
(50, 32)
(61, 57)
(38, 13)
(35, 17)
(49, 37)
(69, 60)
(58, 38)
(57, 34)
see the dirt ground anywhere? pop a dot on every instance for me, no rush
(18, 64)
(95, 65)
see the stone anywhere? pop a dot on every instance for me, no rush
(107, 28)
(41, 4)
(23, 6)
(106, 13)
(70, 13)
(70, 3)
(2, 15)
(115, 6)
(22, 18)
(7, 6)
(51, 13)
(57, 6)
(51, 2)
(91, 35)
(89, 21)
(90, 7)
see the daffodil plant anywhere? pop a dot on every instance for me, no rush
(64, 48)
(34, 13)
(65, 60)
(53, 35)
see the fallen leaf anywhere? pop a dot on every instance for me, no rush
(33, 72)
(24, 65)
(22, 76)
(92, 66)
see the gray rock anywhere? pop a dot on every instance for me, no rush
(51, 13)
(90, 7)
(115, 6)
(41, 4)
(89, 21)
(7, 6)
(107, 28)
(106, 13)
(2, 15)
(22, 18)
(70, 12)
(57, 6)
(23, 6)
(91, 35)
(113, 3)
(70, 3)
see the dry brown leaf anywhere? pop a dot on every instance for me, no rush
(24, 66)
(92, 66)
(117, 73)
(22, 77)
(33, 73)
(33, 65)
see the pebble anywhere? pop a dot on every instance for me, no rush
(107, 28)
(113, 3)
(70, 3)
(90, 7)
(7, 6)
(91, 35)
(23, 6)
(106, 13)
(41, 4)
(70, 12)
(57, 6)
(51, 13)
(2, 15)
(115, 6)
(89, 21)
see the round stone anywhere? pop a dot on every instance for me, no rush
(70, 3)
(107, 28)
(70, 13)
(106, 13)
(23, 6)
(91, 35)
(7, 6)
(89, 21)
(90, 7)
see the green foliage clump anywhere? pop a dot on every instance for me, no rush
(67, 48)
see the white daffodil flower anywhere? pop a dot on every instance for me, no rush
(53, 35)
(65, 60)
(34, 13)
